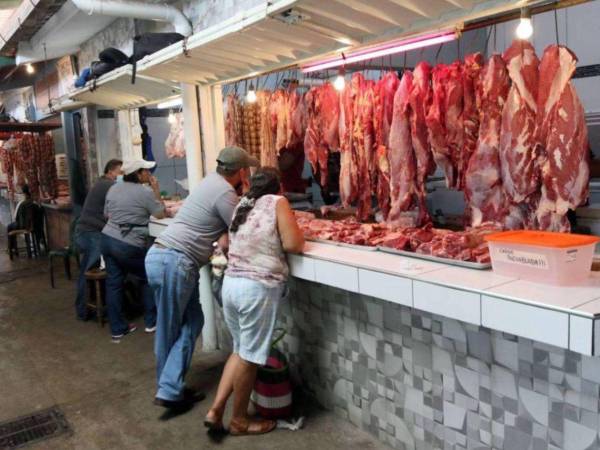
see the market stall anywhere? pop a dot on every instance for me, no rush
(29, 157)
(395, 318)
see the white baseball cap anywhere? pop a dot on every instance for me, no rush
(133, 165)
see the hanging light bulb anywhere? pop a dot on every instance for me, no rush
(30, 69)
(525, 27)
(171, 119)
(251, 95)
(340, 82)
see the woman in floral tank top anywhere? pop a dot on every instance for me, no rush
(263, 229)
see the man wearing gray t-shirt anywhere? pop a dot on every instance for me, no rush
(173, 265)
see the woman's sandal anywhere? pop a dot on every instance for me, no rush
(251, 427)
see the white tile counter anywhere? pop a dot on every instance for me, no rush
(568, 317)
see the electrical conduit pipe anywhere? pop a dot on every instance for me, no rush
(138, 10)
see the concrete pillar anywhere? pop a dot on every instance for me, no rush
(213, 126)
(192, 134)
(128, 150)
(196, 171)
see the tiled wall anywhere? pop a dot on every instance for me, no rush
(420, 381)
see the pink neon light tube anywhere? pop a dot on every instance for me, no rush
(386, 49)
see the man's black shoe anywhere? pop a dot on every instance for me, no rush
(189, 398)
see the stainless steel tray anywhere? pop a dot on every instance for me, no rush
(322, 241)
(451, 262)
(366, 248)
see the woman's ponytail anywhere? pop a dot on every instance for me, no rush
(264, 182)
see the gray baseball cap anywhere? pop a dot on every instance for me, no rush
(236, 158)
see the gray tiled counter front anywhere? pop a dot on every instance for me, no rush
(533, 310)
(418, 380)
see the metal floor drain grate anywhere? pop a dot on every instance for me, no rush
(33, 428)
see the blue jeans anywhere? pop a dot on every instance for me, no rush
(174, 279)
(88, 244)
(123, 259)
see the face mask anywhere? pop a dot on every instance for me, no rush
(119, 178)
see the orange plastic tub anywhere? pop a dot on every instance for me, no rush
(554, 258)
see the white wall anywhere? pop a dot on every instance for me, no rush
(107, 138)
(578, 29)
(167, 170)
(17, 102)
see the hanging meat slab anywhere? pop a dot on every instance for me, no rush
(233, 121)
(454, 121)
(436, 124)
(175, 143)
(563, 141)
(471, 80)
(279, 118)
(403, 165)
(420, 97)
(296, 119)
(329, 115)
(268, 150)
(518, 161)
(382, 121)
(313, 142)
(348, 157)
(484, 190)
(517, 143)
(364, 136)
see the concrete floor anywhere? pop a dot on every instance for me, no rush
(105, 390)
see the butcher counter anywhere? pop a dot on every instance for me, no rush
(427, 355)
(567, 317)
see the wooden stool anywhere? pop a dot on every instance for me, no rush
(96, 276)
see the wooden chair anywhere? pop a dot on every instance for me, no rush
(94, 280)
(26, 224)
(39, 229)
(65, 253)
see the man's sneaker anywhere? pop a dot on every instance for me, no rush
(116, 338)
(150, 330)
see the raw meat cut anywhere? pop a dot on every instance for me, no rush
(520, 173)
(556, 68)
(329, 115)
(296, 120)
(563, 140)
(364, 143)
(268, 151)
(279, 118)
(322, 135)
(233, 121)
(175, 143)
(47, 167)
(382, 121)
(484, 191)
(468, 245)
(348, 160)
(314, 147)
(436, 123)
(562, 137)
(471, 80)
(403, 166)
(454, 121)
(420, 97)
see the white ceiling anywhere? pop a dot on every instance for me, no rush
(116, 91)
(269, 38)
